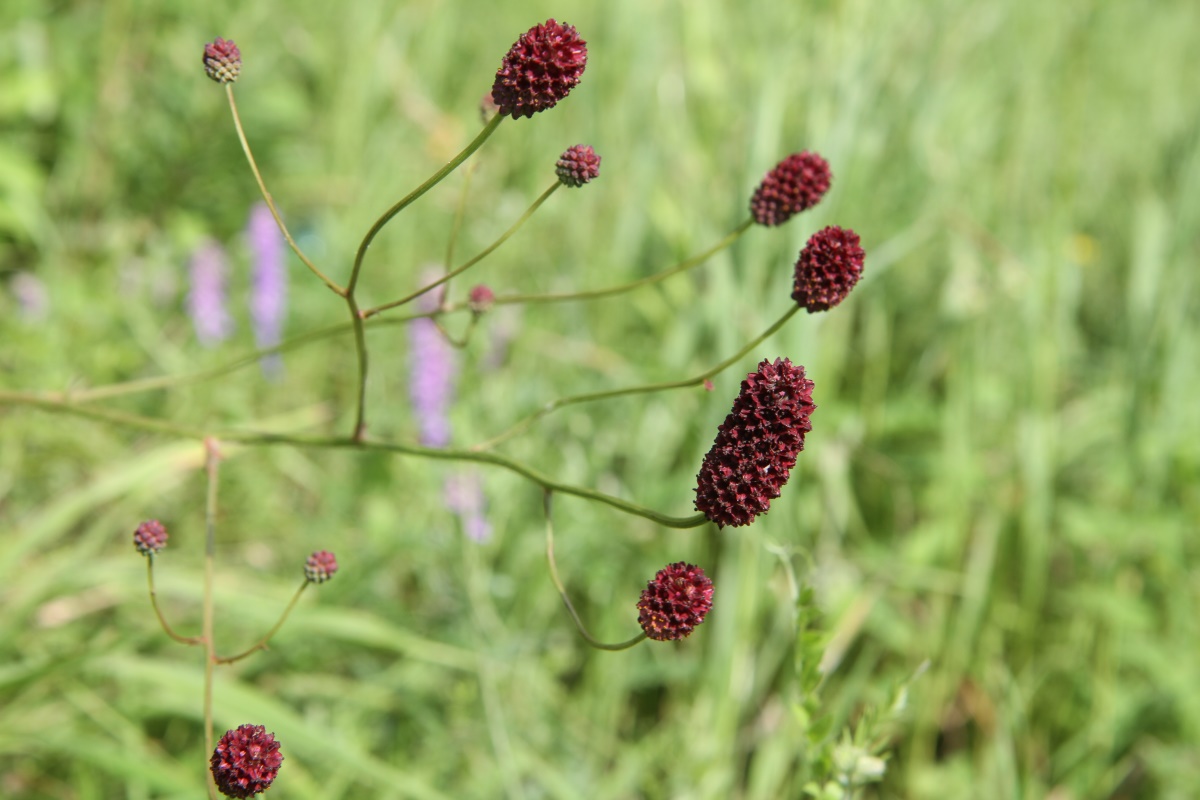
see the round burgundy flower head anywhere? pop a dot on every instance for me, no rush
(540, 69)
(578, 165)
(828, 267)
(222, 60)
(245, 761)
(480, 299)
(150, 537)
(675, 602)
(757, 445)
(320, 566)
(797, 183)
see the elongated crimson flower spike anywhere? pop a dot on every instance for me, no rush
(795, 184)
(675, 602)
(828, 268)
(577, 166)
(222, 60)
(245, 761)
(757, 445)
(539, 70)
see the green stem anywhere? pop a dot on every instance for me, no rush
(158, 612)
(262, 187)
(593, 294)
(472, 262)
(360, 347)
(267, 438)
(459, 214)
(211, 458)
(436, 178)
(696, 380)
(261, 644)
(562, 591)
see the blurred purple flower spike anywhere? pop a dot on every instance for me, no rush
(464, 497)
(268, 297)
(209, 270)
(433, 372)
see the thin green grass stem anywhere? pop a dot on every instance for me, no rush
(434, 180)
(695, 380)
(562, 591)
(471, 262)
(262, 187)
(262, 643)
(360, 349)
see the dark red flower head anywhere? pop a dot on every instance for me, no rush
(578, 165)
(320, 566)
(675, 602)
(222, 60)
(828, 267)
(757, 445)
(540, 69)
(480, 299)
(797, 183)
(245, 761)
(150, 537)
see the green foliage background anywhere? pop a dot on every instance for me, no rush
(1003, 473)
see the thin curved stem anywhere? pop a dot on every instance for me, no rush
(360, 348)
(459, 214)
(562, 591)
(158, 612)
(436, 178)
(471, 262)
(523, 424)
(267, 438)
(212, 458)
(262, 187)
(261, 644)
(593, 294)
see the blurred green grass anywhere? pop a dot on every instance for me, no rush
(1002, 476)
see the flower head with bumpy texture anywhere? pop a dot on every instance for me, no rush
(757, 445)
(245, 761)
(222, 60)
(797, 183)
(577, 166)
(675, 602)
(150, 537)
(829, 266)
(320, 566)
(541, 68)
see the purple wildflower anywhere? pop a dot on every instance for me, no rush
(464, 497)
(433, 367)
(33, 298)
(268, 298)
(206, 301)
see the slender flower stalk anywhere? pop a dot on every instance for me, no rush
(594, 294)
(270, 201)
(697, 380)
(547, 503)
(504, 237)
(212, 460)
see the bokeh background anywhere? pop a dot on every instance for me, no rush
(1002, 479)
